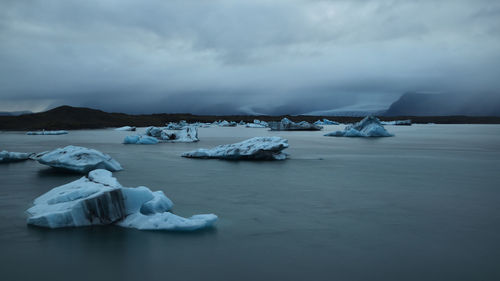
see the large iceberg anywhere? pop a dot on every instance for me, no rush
(187, 134)
(99, 199)
(258, 148)
(6, 156)
(370, 126)
(288, 125)
(126, 128)
(79, 159)
(140, 139)
(325, 122)
(43, 132)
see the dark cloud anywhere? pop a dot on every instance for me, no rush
(242, 56)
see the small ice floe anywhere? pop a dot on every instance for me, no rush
(187, 134)
(258, 148)
(288, 125)
(126, 128)
(79, 159)
(8, 157)
(43, 132)
(370, 126)
(242, 123)
(325, 122)
(257, 124)
(99, 199)
(140, 139)
(397, 122)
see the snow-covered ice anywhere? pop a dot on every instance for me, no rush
(140, 139)
(187, 134)
(126, 128)
(79, 159)
(43, 132)
(99, 199)
(258, 148)
(325, 122)
(288, 125)
(6, 156)
(397, 122)
(370, 126)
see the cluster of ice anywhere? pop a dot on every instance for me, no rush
(186, 134)
(43, 132)
(126, 128)
(140, 139)
(258, 148)
(176, 126)
(225, 123)
(79, 159)
(325, 122)
(370, 126)
(257, 124)
(397, 122)
(288, 125)
(99, 199)
(7, 157)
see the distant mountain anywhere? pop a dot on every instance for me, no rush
(420, 104)
(14, 113)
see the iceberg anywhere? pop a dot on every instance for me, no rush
(370, 126)
(176, 126)
(253, 125)
(288, 125)
(258, 148)
(187, 134)
(397, 122)
(242, 123)
(7, 157)
(325, 122)
(79, 159)
(227, 124)
(126, 128)
(99, 199)
(140, 139)
(43, 132)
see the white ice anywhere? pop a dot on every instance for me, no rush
(6, 156)
(79, 159)
(140, 139)
(187, 134)
(370, 126)
(287, 125)
(43, 132)
(126, 128)
(258, 148)
(325, 122)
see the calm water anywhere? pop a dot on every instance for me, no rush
(424, 205)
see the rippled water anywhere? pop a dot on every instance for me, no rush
(424, 205)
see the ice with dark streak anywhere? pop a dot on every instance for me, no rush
(287, 125)
(99, 199)
(370, 126)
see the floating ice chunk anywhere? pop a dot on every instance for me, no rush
(288, 125)
(79, 159)
(258, 148)
(325, 122)
(370, 126)
(397, 122)
(227, 124)
(253, 125)
(99, 199)
(242, 123)
(6, 156)
(187, 134)
(176, 126)
(140, 139)
(126, 128)
(168, 221)
(43, 132)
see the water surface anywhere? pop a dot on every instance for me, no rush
(424, 205)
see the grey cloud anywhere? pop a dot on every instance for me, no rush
(243, 56)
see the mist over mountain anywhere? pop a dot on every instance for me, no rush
(422, 104)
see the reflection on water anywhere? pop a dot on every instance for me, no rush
(423, 205)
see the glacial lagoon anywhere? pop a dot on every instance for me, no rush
(423, 205)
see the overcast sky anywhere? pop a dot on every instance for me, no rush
(223, 57)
